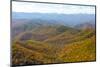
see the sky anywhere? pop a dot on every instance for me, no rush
(28, 7)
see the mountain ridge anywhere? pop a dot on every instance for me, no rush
(67, 19)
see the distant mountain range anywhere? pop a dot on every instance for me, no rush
(65, 19)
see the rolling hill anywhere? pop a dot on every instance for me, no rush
(39, 41)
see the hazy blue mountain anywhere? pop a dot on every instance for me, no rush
(66, 19)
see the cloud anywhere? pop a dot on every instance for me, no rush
(51, 8)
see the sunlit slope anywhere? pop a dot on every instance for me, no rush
(79, 51)
(44, 32)
(33, 52)
(71, 36)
